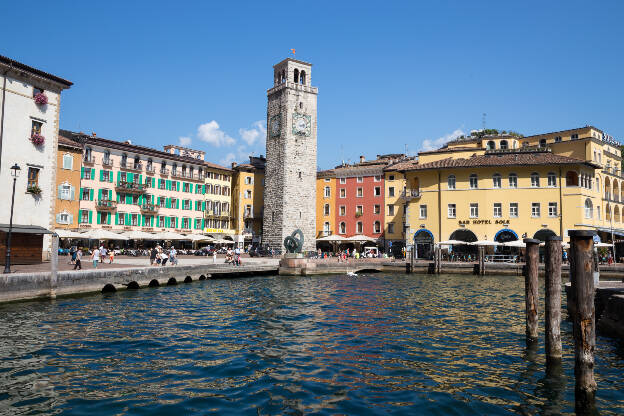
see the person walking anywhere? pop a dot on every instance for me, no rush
(214, 256)
(103, 253)
(111, 256)
(78, 264)
(237, 253)
(153, 254)
(95, 256)
(72, 252)
(173, 256)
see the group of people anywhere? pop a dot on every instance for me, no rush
(98, 255)
(159, 256)
(233, 256)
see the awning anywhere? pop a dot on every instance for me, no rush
(25, 229)
(62, 233)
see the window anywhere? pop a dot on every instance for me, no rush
(186, 204)
(376, 209)
(557, 139)
(376, 227)
(84, 217)
(423, 211)
(503, 144)
(377, 191)
(552, 209)
(589, 209)
(598, 212)
(391, 178)
(360, 192)
(542, 143)
(327, 179)
(391, 191)
(327, 192)
(87, 173)
(161, 184)
(185, 223)
(498, 210)
(535, 180)
(474, 210)
(103, 217)
(343, 193)
(326, 228)
(451, 182)
(248, 194)
(342, 229)
(513, 210)
(343, 210)
(35, 127)
(535, 209)
(390, 209)
(343, 180)
(326, 209)
(377, 178)
(187, 187)
(360, 179)
(37, 90)
(552, 180)
(248, 180)
(64, 218)
(85, 194)
(106, 176)
(574, 136)
(496, 180)
(33, 177)
(66, 191)
(68, 162)
(135, 200)
(452, 210)
(359, 227)
(161, 222)
(172, 222)
(359, 210)
(391, 228)
(474, 184)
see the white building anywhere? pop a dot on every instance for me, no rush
(29, 122)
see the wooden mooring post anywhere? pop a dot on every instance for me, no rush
(584, 319)
(531, 296)
(552, 267)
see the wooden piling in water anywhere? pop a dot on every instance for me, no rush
(531, 296)
(553, 299)
(584, 325)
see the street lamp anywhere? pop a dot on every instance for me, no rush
(15, 171)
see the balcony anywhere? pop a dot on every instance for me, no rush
(248, 214)
(176, 174)
(164, 172)
(107, 162)
(411, 194)
(149, 208)
(105, 205)
(150, 169)
(88, 159)
(131, 187)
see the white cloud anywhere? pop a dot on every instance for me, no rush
(428, 144)
(185, 141)
(228, 159)
(255, 133)
(212, 134)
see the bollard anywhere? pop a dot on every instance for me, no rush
(54, 266)
(553, 299)
(531, 296)
(582, 282)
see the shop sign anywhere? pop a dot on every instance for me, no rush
(217, 230)
(481, 222)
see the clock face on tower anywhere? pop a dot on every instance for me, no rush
(301, 124)
(275, 125)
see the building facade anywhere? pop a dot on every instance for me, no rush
(325, 203)
(130, 187)
(505, 188)
(290, 194)
(30, 107)
(248, 201)
(68, 170)
(218, 205)
(394, 210)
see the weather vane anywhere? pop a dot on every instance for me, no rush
(293, 52)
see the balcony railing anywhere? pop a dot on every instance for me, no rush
(176, 174)
(130, 187)
(410, 193)
(88, 159)
(164, 172)
(150, 169)
(107, 162)
(150, 208)
(105, 204)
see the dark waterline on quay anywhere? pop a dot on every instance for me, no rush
(375, 344)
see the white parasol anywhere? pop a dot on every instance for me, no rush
(68, 234)
(100, 234)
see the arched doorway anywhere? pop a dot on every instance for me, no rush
(464, 250)
(505, 236)
(543, 234)
(423, 244)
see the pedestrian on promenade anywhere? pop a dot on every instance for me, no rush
(173, 259)
(95, 256)
(237, 253)
(153, 254)
(78, 264)
(163, 258)
(214, 256)
(103, 253)
(72, 252)
(111, 256)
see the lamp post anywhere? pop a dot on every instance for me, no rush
(15, 171)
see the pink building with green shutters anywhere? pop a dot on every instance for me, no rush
(127, 187)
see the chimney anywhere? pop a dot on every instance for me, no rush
(93, 134)
(233, 165)
(362, 159)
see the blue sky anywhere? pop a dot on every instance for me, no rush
(389, 74)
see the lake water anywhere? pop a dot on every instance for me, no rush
(375, 344)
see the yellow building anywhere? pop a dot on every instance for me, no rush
(394, 221)
(325, 203)
(248, 201)
(67, 203)
(505, 188)
(218, 214)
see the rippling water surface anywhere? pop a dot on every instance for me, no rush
(375, 344)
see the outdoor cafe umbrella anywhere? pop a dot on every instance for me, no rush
(603, 245)
(198, 237)
(100, 234)
(451, 243)
(68, 234)
(515, 243)
(486, 243)
(360, 238)
(168, 235)
(330, 238)
(138, 235)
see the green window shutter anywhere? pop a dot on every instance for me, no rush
(152, 199)
(118, 176)
(117, 196)
(140, 178)
(176, 219)
(153, 182)
(167, 223)
(90, 217)
(110, 194)
(116, 218)
(130, 177)
(82, 173)
(177, 204)
(203, 224)
(92, 173)
(99, 194)
(108, 218)
(128, 199)
(168, 185)
(81, 193)
(127, 222)
(97, 219)
(101, 175)
(91, 194)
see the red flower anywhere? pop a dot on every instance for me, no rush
(41, 98)
(37, 139)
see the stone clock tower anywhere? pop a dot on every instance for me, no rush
(290, 181)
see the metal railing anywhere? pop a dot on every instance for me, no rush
(411, 193)
(130, 186)
(105, 204)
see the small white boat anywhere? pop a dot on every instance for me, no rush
(351, 274)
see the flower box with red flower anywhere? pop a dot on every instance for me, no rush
(41, 98)
(37, 139)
